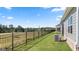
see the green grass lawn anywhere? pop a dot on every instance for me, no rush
(45, 43)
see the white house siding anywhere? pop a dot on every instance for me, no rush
(77, 29)
(71, 38)
(78, 25)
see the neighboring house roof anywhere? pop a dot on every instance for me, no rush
(58, 25)
(68, 9)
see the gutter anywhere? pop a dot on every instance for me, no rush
(68, 9)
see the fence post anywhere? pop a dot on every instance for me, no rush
(12, 41)
(38, 34)
(41, 31)
(26, 37)
(33, 34)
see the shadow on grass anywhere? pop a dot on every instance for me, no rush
(38, 42)
(60, 40)
(30, 43)
(63, 40)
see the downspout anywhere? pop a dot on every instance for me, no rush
(61, 29)
(77, 29)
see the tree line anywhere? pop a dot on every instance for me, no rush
(11, 28)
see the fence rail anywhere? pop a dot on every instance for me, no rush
(8, 41)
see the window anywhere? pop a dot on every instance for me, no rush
(70, 24)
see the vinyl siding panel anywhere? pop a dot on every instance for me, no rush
(71, 38)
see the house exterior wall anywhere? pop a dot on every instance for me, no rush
(71, 37)
(78, 25)
(62, 30)
(58, 28)
(77, 29)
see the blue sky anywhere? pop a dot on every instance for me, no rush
(31, 16)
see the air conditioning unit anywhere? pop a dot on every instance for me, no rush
(57, 37)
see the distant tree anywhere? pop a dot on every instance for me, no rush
(11, 28)
(1, 30)
(5, 29)
(19, 29)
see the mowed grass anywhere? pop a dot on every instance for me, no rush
(29, 44)
(45, 43)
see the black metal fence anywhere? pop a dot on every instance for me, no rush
(8, 41)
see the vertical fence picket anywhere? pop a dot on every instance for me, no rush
(38, 34)
(33, 35)
(12, 41)
(41, 32)
(26, 37)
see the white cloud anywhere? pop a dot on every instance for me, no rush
(59, 17)
(10, 17)
(58, 9)
(3, 16)
(46, 7)
(7, 17)
(9, 8)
